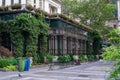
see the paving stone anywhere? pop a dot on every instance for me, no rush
(85, 71)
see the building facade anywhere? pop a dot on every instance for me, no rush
(64, 36)
(50, 6)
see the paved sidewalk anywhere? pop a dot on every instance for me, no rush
(86, 71)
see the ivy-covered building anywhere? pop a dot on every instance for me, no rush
(65, 36)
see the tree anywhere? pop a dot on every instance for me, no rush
(113, 53)
(90, 12)
(93, 13)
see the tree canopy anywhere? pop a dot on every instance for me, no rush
(90, 12)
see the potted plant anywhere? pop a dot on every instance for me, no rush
(1, 8)
(49, 57)
(53, 15)
(16, 6)
(29, 7)
(6, 8)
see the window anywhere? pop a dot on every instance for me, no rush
(12, 1)
(34, 1)
(53, 9)
(34, 6)
(115, 26)
(20, 1)
(3, 2)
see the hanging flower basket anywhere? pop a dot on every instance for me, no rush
(16, 6)
(29, 7)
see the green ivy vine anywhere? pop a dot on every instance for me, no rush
(33, 26)
(94, 42)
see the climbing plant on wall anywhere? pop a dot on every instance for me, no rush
(25, 23)
(94, 42)
(29, 26)
(44, 30)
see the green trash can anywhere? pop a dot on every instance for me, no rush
(21, 64)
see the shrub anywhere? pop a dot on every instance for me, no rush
(61, 59)
(49, 56)
(5, 52)
(71, 56)
(83, 57)
(12, 60)
(16, 6)
(91, 57)
(11, 67)
(29, 7)
(68, 58)
(75, 57)
(64, 59)
(4, 62)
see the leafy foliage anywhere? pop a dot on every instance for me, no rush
(26, 27)
(12, 60)
(113, 53)
(4, 62)
(64, 58)
(5, 52)
(49, 56)
(11, 67)
(90, 12)
(40, 57)
(83, 57)
(29, 7)
(94, 43)
(16, 6)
